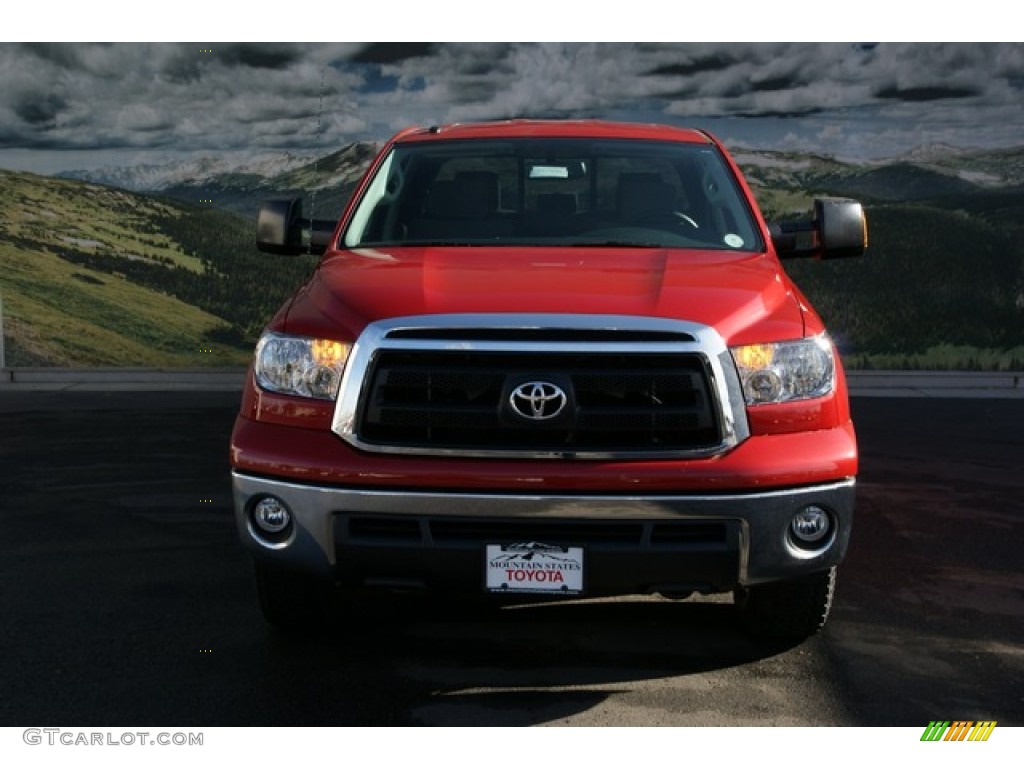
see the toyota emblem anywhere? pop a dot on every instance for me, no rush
(538, 400)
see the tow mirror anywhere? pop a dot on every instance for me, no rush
(838, 230)
(281, 229)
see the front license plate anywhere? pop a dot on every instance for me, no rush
(534, 567)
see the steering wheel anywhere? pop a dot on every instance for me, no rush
(684, 217)
(662, 218)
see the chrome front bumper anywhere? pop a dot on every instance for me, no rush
(755, 546)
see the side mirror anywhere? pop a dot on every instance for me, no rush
(281, 229)
(838, 230)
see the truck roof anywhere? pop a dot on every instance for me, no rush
(554, 128)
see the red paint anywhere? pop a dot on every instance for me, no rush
(746, 297)
(763, 461)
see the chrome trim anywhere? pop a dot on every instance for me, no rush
(724, 385)
(808, 553)
(536, 396)
(261, 538)
(763, 515)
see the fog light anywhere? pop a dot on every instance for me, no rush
(810, 525)
(271, 515)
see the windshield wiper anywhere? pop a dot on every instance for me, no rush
(429, 243)
(615, 244)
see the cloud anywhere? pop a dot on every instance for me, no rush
(39, 112)
(926, 93)
(233, 97)
(277, 56)
(392, 53)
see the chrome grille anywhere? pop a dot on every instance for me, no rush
(455, 400)
(469, 385)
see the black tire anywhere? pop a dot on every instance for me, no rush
(787, 610)
(293, 601)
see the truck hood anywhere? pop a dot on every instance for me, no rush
(745, 297)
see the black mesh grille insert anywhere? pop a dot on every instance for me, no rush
(477, 531)
(460, 400)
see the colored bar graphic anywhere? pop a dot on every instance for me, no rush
(982, 730)
(958, 730)
(935, 730)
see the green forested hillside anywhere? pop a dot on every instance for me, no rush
(942, 283)
(96, 276)
(939, 287)
(93, 275)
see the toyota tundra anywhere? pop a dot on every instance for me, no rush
(550, 359)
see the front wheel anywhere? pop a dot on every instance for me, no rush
(787, 610)
(293, 601)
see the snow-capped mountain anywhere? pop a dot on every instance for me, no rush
(242, 185)
(157, 177)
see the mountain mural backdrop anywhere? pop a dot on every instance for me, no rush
(156, 266)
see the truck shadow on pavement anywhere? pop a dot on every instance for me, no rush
(462, 663)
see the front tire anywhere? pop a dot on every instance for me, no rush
(787, 610)
(293, 601)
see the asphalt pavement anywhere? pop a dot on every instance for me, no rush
(126, 599)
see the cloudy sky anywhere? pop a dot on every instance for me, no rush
(84, 105)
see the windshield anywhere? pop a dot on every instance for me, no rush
(553, 192)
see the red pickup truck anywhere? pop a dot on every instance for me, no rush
(550, 359)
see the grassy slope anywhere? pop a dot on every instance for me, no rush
(942, 284)
(66, 212)
(60, 313)
(937, 288)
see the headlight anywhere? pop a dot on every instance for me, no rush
(789, 370)
(295, 365)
